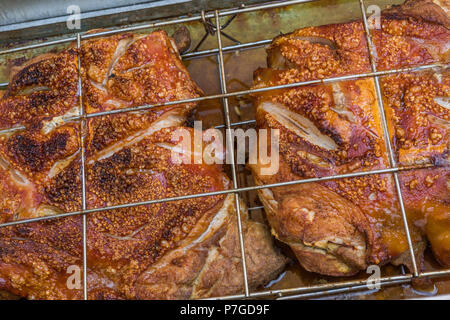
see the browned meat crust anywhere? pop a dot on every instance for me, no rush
(336, 128)
(180, 249)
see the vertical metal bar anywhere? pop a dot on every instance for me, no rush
(230, 149)
(83, 173)
(387, 139)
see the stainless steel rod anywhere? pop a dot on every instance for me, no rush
(347, 284)
(214, 193)
(387, 138)
(256, 208)
(209, 52)
(235, 124)
(318, 288)
(341, 290)
(247, 92)
(259, 90)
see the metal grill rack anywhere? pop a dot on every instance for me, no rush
(297, 292)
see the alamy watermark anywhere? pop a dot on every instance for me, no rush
(207, 147)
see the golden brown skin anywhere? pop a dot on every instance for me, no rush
(336, 128)
(180, 249)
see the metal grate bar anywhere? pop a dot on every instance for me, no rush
(256, 208)
(230, 151)
(345, 286)
(387, 138)
(341, 290)
(241, 46)
(83, 170)
(358, 285)
(245, 92)
(242, 93)
(215, 193)
(235, 124)
(209, 52)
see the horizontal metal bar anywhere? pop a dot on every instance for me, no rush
(214, 193)
(387, 139)
(271, 5)
(255, 208)
(249, 91)
(436, 273)
(325, 289)
(243, 92)
(344, 285)
(13, 129)
(83, 173)
(437, 297)
(162, 23)
(385, 280)
(204, 53)
(109, 8)
(233, 124)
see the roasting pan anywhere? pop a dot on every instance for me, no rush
(222, 65)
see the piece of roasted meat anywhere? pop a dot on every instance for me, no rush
(338, 227)
(171, 250)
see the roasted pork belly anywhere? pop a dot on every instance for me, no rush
(338, 227)
(171, 250)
